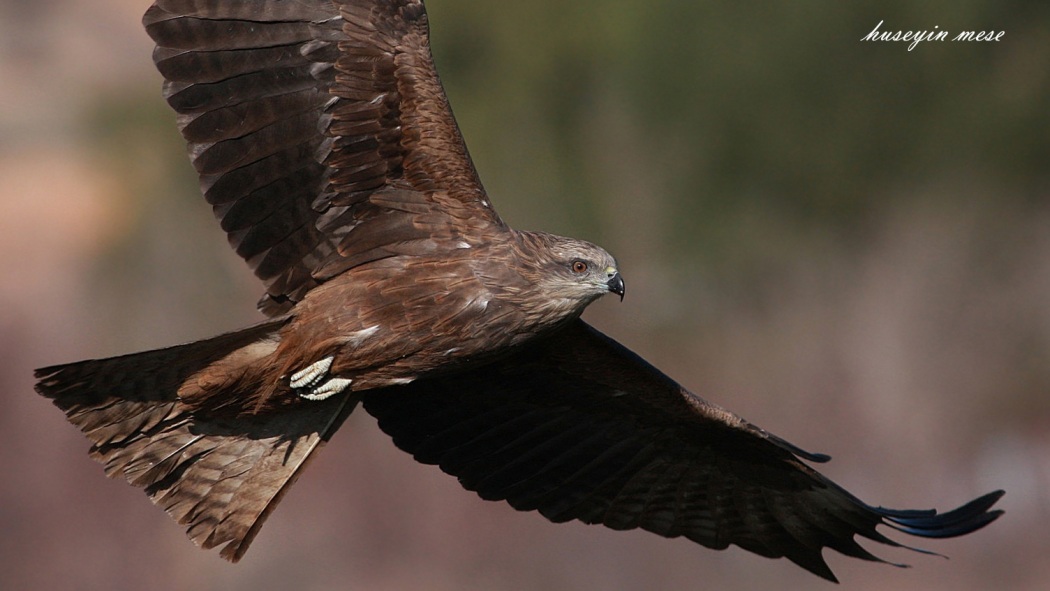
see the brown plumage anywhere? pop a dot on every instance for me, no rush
(329, 154)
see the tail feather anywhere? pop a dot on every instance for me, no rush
(217, 474)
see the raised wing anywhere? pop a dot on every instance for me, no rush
(320, 131)
(578, 427)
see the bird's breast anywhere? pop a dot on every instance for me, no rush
(403, 320)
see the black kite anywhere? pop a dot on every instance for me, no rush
(326, 147)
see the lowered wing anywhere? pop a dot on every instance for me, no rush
(578, 427)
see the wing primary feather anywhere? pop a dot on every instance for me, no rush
(930, 524)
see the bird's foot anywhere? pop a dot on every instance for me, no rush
(312, 375)
(329, 388)
(311, 383)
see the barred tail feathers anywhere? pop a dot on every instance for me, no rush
(219, 477)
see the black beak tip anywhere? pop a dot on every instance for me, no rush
(617, 286)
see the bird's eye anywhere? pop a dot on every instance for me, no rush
(579, 267)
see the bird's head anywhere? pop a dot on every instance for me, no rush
(573, 272)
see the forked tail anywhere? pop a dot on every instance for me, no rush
(217, 474)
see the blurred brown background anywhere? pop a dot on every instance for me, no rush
(848, 243)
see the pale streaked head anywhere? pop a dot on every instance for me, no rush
(575, 271)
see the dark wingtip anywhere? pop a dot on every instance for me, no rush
(925, 523)
(960, 521)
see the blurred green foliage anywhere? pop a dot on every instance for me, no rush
(775, 114)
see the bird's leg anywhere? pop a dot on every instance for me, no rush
(311, 383)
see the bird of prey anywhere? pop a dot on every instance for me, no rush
(327, 149)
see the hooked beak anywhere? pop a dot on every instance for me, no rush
(616, 285)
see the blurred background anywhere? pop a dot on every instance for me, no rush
(847, 243)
